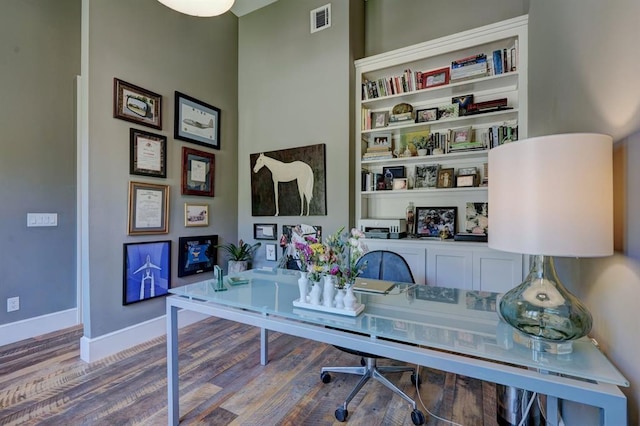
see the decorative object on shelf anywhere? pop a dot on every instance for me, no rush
(477, 218)
(239, 256)
(328, 290)
(196, 121)
(463, 102)
(379, 119)
(463, 181)
(411, 140)
(436, 221)
(197, 255)
(445, 178)
(435, 78)
(426, 115)
(400, 184)
(137, 105)
(448, 111)
(402, 113)
(541, 207)
(410, 212)
(147, 271)
(426, 176)
(198, 172)
(202, 8)
(289, 182)
(147, 154)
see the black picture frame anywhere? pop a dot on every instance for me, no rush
(396, 171)
(198, 172)
(192, 259)
(146, 271)
(265, 231)
(440, 222)
(196, 121)
(136, 105)
(426, 115)
(147, 154)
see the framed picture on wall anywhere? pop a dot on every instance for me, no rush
(192, 258)
(198, 172)
(196, 214)
(137, 105)
(148, 208)
(196, 121)
(147, 154)
(146, 271)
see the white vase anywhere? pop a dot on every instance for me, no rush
(422, 152)
(350, 299)
(315, 293)
(303, 286)
(340, 293)
(329, 291)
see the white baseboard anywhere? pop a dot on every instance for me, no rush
(100, 347)
(32, 327)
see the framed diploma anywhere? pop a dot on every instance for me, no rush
(147, 154)
(148, 208)
(198, 171)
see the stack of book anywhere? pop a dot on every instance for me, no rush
(470, 67)
(377, 153)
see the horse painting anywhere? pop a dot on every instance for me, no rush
(287, 172)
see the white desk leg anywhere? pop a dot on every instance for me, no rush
(264, 346)
(173, 406)
(552, 410)
(614, 413)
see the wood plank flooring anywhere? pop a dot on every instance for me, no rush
(44, 382)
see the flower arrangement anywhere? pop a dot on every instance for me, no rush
(313, 258)
(345, 249)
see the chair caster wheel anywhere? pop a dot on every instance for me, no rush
(363, 362)
(416, 417)
(415, 378)
(342, 414)
(325, 377)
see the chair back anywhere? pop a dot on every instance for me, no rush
(385, 265)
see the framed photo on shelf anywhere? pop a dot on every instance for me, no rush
(461, 134)
(427, 114)
(380, 140)
(396, 171)
(148, 208)
(196, 121)
(463, 101)
(137, 105)
(426, 176)
(379, 119)
(463, 181)
(270, 252)
(265, 231)
(477, 218)
(146, 271)
(436, 221)
(436, 78)
(448, 111)
(198, 172)
(196, 214)
(192, 258)
(399, 183)
(147, 154)
(445, 178)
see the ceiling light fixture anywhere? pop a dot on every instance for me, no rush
(201, 8)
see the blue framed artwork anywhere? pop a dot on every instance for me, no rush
(192, 258)
(147, 271)
(196, 121)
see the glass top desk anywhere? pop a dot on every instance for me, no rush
(447, 329)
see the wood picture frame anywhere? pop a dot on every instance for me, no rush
(198, 172)
(148, 208)
(196, 214)
(440, 222)
(465, 181)
(379, 119)
(436, 78)
(196, 121)
(136, 105)
(146, 271)
(446, 178)
(461, 135)
(192, 259)
(147, 154)
(265, 231)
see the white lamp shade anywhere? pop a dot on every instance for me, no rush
(202, 8)
(552, 195)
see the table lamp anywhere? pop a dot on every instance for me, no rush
(550, 196)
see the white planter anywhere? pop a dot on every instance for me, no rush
(236, 266)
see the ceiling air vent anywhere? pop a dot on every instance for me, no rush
(321, 18)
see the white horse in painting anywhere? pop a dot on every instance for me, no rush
(287, 172)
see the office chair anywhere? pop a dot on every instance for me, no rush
(384, 265)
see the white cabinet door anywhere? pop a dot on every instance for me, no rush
(450, 268)
(496, 271)
(412, 253)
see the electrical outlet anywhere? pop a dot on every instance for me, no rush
(13, 304)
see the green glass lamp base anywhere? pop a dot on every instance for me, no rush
(542, 308)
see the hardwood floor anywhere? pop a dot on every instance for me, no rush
(44, 382)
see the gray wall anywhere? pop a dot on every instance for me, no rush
(39, 59)
(294, 90)
(146, 44)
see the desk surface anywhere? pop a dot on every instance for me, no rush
(459, 321)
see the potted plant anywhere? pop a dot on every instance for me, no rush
(238, 256)
(421, 145)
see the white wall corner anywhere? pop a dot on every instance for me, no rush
(106, 345)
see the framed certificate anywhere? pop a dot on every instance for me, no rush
(198, 171)
(148, 208)
(147, 154)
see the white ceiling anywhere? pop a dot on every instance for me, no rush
(243, 7)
